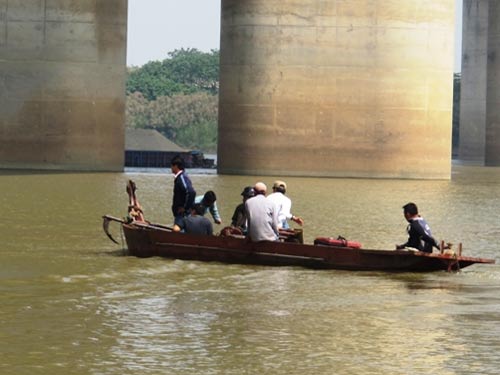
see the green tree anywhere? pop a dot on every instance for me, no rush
(168, 114)
(201, 136)
(177, 96)
(189, 120)
(184, 71)
(137, 112)
(194, 69)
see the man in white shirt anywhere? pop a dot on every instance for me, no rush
(283, 205)
(262, 216)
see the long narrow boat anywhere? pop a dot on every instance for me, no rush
(146, 239)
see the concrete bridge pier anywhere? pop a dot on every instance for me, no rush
(336, 88)
(480, 87)
(62, 84)
(313, 87)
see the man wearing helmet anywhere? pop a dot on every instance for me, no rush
(239, 219)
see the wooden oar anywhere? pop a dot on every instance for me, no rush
(105, 226)
(143, 224)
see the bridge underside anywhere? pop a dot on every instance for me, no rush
(317, 88)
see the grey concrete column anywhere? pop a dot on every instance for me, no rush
(359, 88)
(492, 154)
(480, 89)
(62, 84)
(474, 82)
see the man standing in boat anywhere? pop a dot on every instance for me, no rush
(184, 193)
(283, 205)
(262, 216)
(419, 232)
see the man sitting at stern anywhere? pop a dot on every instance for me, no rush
(419, 232)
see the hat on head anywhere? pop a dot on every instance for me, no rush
(279, 184)
(248, 192)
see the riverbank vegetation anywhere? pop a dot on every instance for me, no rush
(178, 97)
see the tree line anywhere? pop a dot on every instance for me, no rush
(178, 97)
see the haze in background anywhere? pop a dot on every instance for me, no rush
(156, 27)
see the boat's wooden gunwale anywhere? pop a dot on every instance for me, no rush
(144, 240)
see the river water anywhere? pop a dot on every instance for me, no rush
(71, 301)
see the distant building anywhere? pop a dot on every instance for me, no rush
(148, 148)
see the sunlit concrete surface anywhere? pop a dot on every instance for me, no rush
(62, 84)
(358, 88)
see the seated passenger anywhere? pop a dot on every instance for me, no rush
(195, 223)
(283, 205)
(262, 216)
(239, 219)
(419, 232)
(208, 201)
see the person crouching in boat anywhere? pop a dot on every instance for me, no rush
(419, 232)
(195, 223)
(209, 203)
(262, 216)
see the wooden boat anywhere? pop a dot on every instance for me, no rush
(146, 239)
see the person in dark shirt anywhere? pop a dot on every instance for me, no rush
(184, 193)
(419, 232)
(195, 223)
(239, 219)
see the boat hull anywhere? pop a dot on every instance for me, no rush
(145, 241)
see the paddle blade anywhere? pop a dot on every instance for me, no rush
(105, 227)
